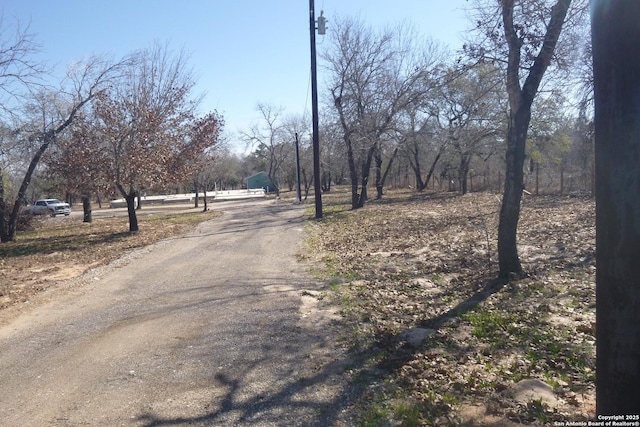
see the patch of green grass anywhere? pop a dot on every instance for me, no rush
(408, 414)
(375, 416)
(438, 279)
(335, 284)
(330, 212)
(536, 410)
(491, 324)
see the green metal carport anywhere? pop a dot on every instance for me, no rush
(260, 180)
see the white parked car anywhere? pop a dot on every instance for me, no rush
(51, 207)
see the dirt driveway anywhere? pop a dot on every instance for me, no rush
(215, 328)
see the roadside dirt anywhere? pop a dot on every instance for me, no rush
(220, 327)
(63, 248)
(440, 342)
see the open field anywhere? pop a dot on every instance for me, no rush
(436, 339)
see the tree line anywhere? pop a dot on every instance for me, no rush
(110, 127)
(511, 111)
(398, 110)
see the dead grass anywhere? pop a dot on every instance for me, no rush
(63, 248)
(428, 262)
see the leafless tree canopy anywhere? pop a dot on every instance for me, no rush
(20, 73)
(373, 77)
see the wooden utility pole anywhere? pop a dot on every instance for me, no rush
(314, 110)
(615, 29)
(298, 192)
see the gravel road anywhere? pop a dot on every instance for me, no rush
(219, 327)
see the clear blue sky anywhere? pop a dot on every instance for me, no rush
(243, 51)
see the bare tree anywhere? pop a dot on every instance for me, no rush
(199, 157)
(293, 125)
(387, 150)
(20, 71)
(420, 138)
(548, 142)
(226, 173)
(268, 138)
(469, 110)
(55, 112)
(373, 77)
(523, 34)
(333, 152)
(204, 177)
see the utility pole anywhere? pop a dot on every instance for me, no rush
(314, 104)
(615, 36)
(298, 193)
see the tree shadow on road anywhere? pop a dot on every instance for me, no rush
(293, 404)
(291, 397)
(296, 398)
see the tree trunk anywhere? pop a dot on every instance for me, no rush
(385, 174)
(508, 258)
(353, 174)
(562, 176)
(616, 39)
(204, 198)
(381, 176)
(20, 200)
(363, 194)
(130, 198)
(520, 100)
(86, 209)
(379, 192)
(464, 173)
(432, 169)
(275, 183)
(131, 210)
(417, 172)
(4, 234)
(326, 181)
(365, 169)
(420, 184)
(195, 188)
(307, 184)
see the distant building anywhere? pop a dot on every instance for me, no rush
(260, 180)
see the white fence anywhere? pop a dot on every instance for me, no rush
(189, 197)
(238, 194)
